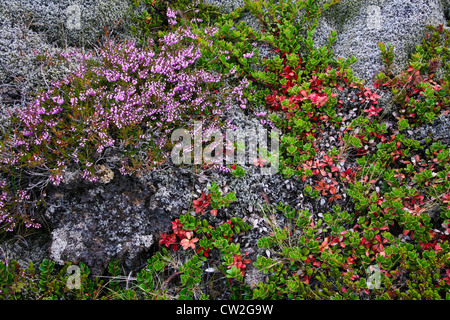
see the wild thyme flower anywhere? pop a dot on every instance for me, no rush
(172, 15)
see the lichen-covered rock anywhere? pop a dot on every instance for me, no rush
(29, 28)
(69, 22)
(226, 6)
(22, 73)
(438, 130)
(446, 5)
(31, 248)
(19, 46)
(361, 25)
(94, 223)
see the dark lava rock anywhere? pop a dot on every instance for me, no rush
(25, 249)
(94, 222)
(438, 130)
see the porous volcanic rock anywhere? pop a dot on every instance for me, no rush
(96, 222)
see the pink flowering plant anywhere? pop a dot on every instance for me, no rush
(150, 18)
(123, 102)
(14, 208)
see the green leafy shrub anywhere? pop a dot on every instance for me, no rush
(333, 258)
(420, 93)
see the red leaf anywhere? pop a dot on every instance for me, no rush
(202, 203)
(334, 197)
(334, 169)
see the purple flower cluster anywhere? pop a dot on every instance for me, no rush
(126, 99)
(238, 91)
(172, 15)
(12, 209)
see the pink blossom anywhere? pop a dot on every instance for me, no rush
(171, 14)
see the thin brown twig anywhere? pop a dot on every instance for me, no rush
(170, 278)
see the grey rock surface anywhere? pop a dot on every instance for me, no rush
(361, 25)
(32, 248)
(68, 22)
(446, 5)
(94, 223)
(226, 6)
(19, 47)
(438, 130)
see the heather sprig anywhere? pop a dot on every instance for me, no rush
(151, 18)
(14, 208)
(123, 101)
